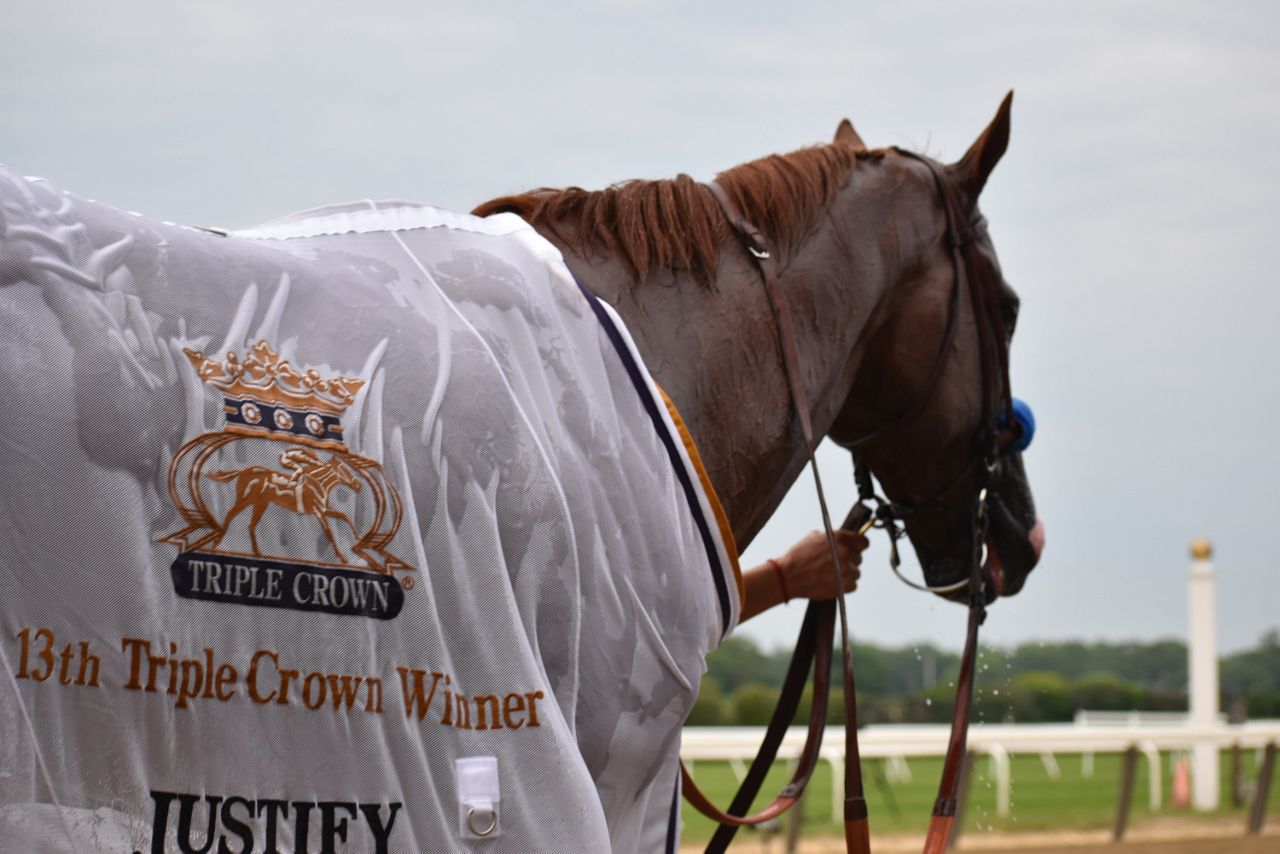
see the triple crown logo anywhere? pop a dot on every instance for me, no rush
(281, 455)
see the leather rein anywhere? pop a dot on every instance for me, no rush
(814, 645)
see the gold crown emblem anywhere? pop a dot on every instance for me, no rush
(263, 376)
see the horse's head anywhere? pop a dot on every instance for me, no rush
(338, 472)
(928, 409)
(347, 475)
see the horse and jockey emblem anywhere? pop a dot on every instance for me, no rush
(281, 456)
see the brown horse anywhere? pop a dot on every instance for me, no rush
(304, 491)
(868, 269)
(875, 250)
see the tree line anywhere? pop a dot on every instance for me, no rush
(1030, 683)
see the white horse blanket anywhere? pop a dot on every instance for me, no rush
(363, 530)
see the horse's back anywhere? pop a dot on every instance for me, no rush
(496, 568)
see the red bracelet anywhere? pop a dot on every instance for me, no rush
(782, 581)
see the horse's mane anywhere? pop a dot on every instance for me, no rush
(677, 223)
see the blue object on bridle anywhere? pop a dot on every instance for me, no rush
(1026, 421)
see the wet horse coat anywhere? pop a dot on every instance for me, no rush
(524, 563)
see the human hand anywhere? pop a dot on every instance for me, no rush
(807, 565)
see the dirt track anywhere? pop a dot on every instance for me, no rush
(1255, 845)
(1161, 837)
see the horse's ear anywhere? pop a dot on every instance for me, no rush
(974, 168)
(846, 135)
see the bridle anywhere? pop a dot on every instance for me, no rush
(996, 429)
(999, 425)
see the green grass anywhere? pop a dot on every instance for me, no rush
(1038, 802)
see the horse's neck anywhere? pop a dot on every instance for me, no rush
(715, 352)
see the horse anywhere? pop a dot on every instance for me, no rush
(305, 491)
(865, 259)
(577, 640)
(876, 246)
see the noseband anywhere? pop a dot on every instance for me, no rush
(999, 426)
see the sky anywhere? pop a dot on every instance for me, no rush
(1135, 211)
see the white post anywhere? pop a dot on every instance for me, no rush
(1004, 779)
(1202, 670)
(1155, 780)
(837, 781)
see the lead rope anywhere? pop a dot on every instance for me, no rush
(942, 821)
(857, 835)
(815, 645)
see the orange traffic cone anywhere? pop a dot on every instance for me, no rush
(1182, 783)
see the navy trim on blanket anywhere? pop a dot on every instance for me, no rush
(653, 407)
(673, 823)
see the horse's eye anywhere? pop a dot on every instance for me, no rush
(1009, 305)
(1009, 313)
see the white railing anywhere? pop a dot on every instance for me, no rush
(899, 742)
(1085, 717)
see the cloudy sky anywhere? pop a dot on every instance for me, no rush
(1135, 212)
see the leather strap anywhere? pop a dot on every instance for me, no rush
(812, 648)
(926, 391)
(814, 645)
(993, 355)
(992, 343)
(984, 293)
(755, 244)
(855, 809)
(942, 822)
